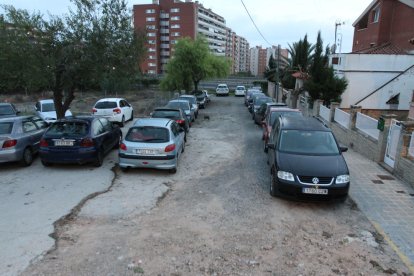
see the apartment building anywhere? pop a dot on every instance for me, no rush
(165, 21)
(259, 58)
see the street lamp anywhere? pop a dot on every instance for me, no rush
(337, 23)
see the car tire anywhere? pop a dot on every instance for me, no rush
(46, 164)
(182, 150)
(116, 146)
(124, 169)
(132, 116)
(27, 158)
(99, 158)
(185, 137)
(265, 148)
(122, 123)
(273, 186)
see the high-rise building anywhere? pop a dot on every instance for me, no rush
(165, 21)
(259, 58)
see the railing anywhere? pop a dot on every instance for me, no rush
(342, 117)
(367, 125)
(411, 147)
(324, 112)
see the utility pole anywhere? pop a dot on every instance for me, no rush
(277, 73)
(337, 23)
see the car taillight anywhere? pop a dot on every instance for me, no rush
(94, 110)
(87, 142)
(9, 143)
(117, 110)
(180, 122)
(170, 148)
(123, 146)
(44, 143)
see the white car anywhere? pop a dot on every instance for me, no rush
(116, 110)
(45, 109)
(240, 91)
(222, 89)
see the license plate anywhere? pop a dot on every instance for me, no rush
(64, 143)
(145, 151)
(315, 191)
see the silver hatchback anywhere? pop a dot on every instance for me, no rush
(152, 143)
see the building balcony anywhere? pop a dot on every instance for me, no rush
(164, 15)
(165, 31)
(164, 23)
(165, 46)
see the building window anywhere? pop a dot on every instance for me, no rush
(175, 10)
(151, 34)
(175, 18)
(150, 19)
(151, 41)
(151, 50)
(173, 42)
(150, 27)
(175, 26)
(375, 14)
(175, 34)
(151, 71)
(150, 11)
(151, 64)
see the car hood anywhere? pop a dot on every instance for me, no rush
(311, 165)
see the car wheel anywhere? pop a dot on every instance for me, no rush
(27, 158)
(182, 150)
(265, 148)
(46, 164)
(132, 116)
(185, 138)
(124, 169)
(273, 185)
(99, 158)
(116, 146)
(122, 123)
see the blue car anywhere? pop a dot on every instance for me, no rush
(79, 140)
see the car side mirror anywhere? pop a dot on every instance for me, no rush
(343, 148)
(18, 112)
(271, 146)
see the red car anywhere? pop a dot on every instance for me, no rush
(270, 118)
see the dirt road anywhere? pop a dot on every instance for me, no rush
(216, 217)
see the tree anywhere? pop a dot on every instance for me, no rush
(323, 83)
(192, 62)
(94, 46)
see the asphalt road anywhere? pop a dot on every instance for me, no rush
(214, 217)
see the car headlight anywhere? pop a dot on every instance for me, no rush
(285, 176)
(341, 179)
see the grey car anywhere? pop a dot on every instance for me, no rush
(20, 137)
(152, 143)
(8, 110)
(184, 105)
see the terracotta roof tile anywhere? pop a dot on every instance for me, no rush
(384, 49)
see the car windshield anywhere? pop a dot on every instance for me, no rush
(104, 105)
(6, 110)
(189, 99)
(6, 127)
(182, 105)
(148, 134)
(262, 100)
(240, 87)
(308, 142)
(276, 114)
(74, 129)
(48, 107)
(222, 86)
(171, 114)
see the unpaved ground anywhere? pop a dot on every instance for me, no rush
(217, 218)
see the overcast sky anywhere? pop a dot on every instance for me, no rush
(280, 22)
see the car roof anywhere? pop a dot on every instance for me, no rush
(157, 122)
(178, 101)
(303, 123)
(6, 104)
(16, 118)
(166, 109)
(82, 118)
(110, 99)
(46, 101)
(186, 96)
(221, 84)
(271, 104)
(282, 108)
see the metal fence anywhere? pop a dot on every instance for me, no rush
(324, 112)
(342, 117)
(411, 147)
(367, 125)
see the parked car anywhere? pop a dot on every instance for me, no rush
(79, 140)
(264, 108)
(20, 137)
(8, 110)
(116, 110)
(240, 90)
(271, 118)
(207, 96)
(249, 94)
(252, 99)
(202, 99)
(185, 106)
(306, 160)
(45, 109)
(258, 102)
(152, 143)
(222, 90)
(193, 102)
(176, 114)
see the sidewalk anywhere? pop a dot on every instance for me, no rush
(386, 201)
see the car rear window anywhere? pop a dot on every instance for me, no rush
(48, 107)
(260, 101)
(189, 99)
(182, 105)
(308, 142)
(170, 114)
(74, 129)
(6, 127)
(276, 114)
(104, 105)
(6, 110)
(148, 134)
(222, 86)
